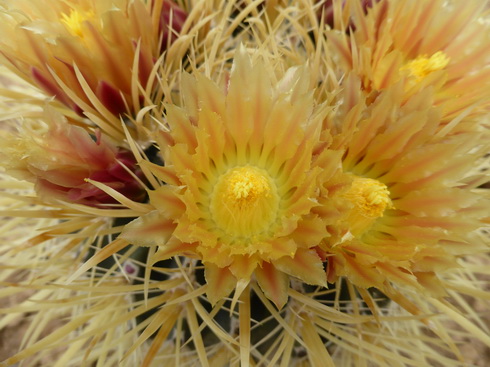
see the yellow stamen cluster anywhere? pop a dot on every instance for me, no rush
(244, 202)
(424, 65)
(245, 186)
(370, 198)
(74, 21)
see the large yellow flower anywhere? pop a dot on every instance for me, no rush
(91, 55)
(430, 42)
(243, 170)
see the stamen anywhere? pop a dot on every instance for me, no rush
(423, 65)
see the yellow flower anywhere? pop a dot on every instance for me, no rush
(411, 208)
(438, 43)
(86, 53)
(272, 183)
(243, 175)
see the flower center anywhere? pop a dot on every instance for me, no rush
(424, 65)
(370, 198)
(74, 21)
(244, 202)
(245, 186)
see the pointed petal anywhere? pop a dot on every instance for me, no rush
(305, 265)
(310, 231)
(148, 230)
(171, 248)
(220, 282)
(274, 283)
(243, 266)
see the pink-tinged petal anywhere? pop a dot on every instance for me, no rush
(392, 142)
(220, 282)
(413, 234)
(453, 223)
(428, 164)
(387, 70)
(166, 174)
(211, 138)
(305, 265)
(181, 158)
(111, 98)
(49, 86)
(210, 96)
(435, 202)
(330, 162)
(151, 229)
(274, 283)
(392, 249)
(434, 258)
(215, 255)
(397, 275)
(361, 275)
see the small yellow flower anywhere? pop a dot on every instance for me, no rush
(438, 43)
(369, 198)
(95, 57)
(408, 199)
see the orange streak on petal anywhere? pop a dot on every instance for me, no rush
(305, 265)
(274, 283)
(243, 266)
(220, 282)
(173, 247)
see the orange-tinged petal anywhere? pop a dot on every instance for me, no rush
(167, 201)
(439, 201)
(310, 231)
(174, 247)
(220, 282)
(151, 229)
(397, 275)
(243, 266)
(279, 247)
(305, 265)
(361, 275)
(274, 283)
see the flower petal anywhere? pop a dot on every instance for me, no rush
(305, 265)
(274, 283)
(220, 282)
(151, 229)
